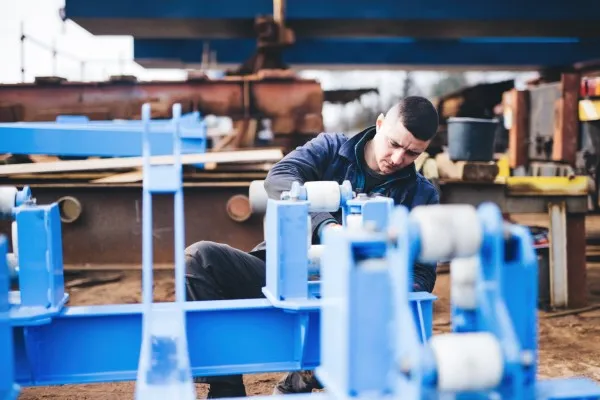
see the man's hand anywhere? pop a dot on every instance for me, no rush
(332, 225)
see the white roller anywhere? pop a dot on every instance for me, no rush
(467, 361)
(8, 198)
(448, 231)
(324, 196)
(258, 197)
(463, 277)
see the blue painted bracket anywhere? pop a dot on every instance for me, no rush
(76, 136)
(40, 276)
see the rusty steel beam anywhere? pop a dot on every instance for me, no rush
(294, 105)
(108, 227)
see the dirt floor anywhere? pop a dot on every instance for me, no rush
(569, 345)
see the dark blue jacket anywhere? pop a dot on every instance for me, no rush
(335, 157)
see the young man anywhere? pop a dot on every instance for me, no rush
(379, 160)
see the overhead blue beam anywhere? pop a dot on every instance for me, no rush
(385, 52)
(554, 10)
(179, 19)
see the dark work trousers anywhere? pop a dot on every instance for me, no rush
(217, 271)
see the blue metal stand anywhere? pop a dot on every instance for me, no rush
(380, 355)
(164, 369)
(159, 345)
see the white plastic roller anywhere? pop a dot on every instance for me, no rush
(463, 278)
(467, 361)
(447, 231)
(8, 198)
(324, 196)
(258, 197)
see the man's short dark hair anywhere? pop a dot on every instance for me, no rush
(418, 115)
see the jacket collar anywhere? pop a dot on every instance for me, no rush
(354, 149)
(356, 144)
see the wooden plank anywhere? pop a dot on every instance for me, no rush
(137, 176)
(131, 176)
(518, 109)
(566, 123)
(136, 162)
(218, 174)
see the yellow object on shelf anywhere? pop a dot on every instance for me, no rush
(503, 166)
(589, 110)
(547, 185)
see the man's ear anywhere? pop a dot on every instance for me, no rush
(379, 121)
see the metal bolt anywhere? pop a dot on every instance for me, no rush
(404, 366)
(494, 396)
(527, 357)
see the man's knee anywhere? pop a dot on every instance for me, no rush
(199, 256)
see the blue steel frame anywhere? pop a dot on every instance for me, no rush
(380, 52)
(379, 277)
(427, 10)
(149, 342)
(74, 135)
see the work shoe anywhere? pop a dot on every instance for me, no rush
(296, 382)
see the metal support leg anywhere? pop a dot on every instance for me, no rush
(559, 292)
(164, 368)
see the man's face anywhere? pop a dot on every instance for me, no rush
(394, 146)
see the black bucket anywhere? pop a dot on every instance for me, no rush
(471, 139)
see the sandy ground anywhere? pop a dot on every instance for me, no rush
(569, 345)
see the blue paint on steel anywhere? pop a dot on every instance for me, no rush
(102, 343)
(364, 297)
(9, 390)
(376, 211)
(164, 365)
(41, 280)
(523, 52)
(73, 136)
(430, 10)
(505, 310)
(148, 342)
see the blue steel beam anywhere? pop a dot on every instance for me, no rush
(389, 52)
(429, 10)
(102, 343)
(338, 18)
(98, 138)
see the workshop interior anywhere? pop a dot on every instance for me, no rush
(111, 166)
